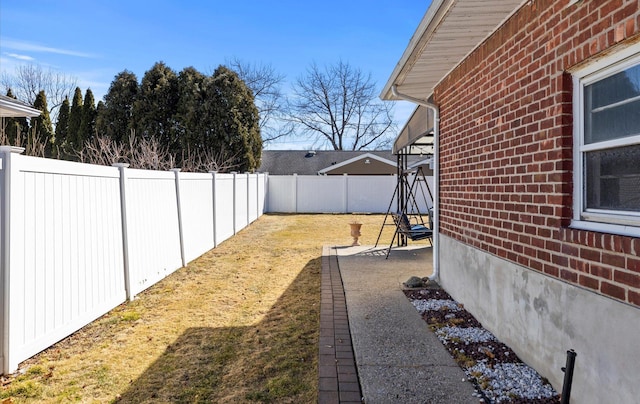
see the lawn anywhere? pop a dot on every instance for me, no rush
(238, 324)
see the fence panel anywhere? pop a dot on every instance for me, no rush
(262, 193)
(321, 194)
(252, 197)
(65, 251)
(241, 202)
(153, 229)
(423, 197)
(224, 207)
(281, 194)
(196, 202)
(370, 195)
(333, 194)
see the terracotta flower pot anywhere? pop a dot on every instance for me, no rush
(355, 232)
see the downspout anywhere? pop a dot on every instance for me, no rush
(436, 176)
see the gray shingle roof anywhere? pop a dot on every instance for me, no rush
(304, 162)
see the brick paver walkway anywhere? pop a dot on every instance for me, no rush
(338, 377)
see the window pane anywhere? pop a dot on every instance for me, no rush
(612, 107)
(613, 179)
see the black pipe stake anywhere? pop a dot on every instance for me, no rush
(568, 376)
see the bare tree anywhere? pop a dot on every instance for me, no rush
(209, 160)
(149, 154)
(102, 150)
(265, 84)
(338, 105)
(138, 153)
(32, 142)
(29, 80)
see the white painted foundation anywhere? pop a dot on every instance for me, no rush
(541, 317)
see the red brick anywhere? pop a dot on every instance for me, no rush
(551, 270)
(612, 290)
(569, 249)
(634, 298)
(589, 254)
(627, 278)
(589, 282)
(635, 247)
(560, 260)
(633, 264)
(568, 275)
(601, 272)
(615, 260)
(580, 265)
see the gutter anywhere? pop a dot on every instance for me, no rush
(436, 175)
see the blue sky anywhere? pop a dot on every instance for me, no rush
(95, 40)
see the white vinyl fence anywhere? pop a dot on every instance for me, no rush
(339, 194)
(76, 240)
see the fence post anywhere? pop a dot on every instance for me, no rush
(248, 199)
(213, 200)
(125, 230)
(345, 176)
(176, 172)
(265, 193)
(295, 192)
(257, 195)
(235, 207)
(5, 252)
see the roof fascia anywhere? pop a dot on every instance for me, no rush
(16, 109)
(435, 15)
(354, 159)
(431, 19)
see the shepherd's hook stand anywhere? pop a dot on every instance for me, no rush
(568, 376)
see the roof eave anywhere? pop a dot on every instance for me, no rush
(15, 109)
(430, 48)
(428, 22)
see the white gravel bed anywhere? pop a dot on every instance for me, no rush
(510, 380)
(464, 335)
(498, 382)
(434, 304)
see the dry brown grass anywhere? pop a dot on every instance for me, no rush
(239, 324)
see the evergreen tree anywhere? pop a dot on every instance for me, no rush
(88, 121)
(62, 126)
(74, 136)
(235, 119)
(193, 128)
(16, 129)
(116, 119)
(100, 108)
(42, 129)
(155, 106)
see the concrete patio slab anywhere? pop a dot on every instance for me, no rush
(398, 359)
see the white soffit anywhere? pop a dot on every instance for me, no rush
(11, 108)
(448, 32)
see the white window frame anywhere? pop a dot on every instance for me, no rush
(615, 222)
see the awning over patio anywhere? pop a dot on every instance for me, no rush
(416, 138)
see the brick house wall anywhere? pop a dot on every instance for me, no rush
(506, 139)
